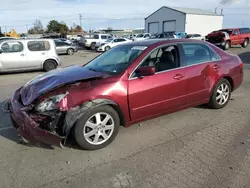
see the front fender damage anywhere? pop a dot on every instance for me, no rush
(77, 112)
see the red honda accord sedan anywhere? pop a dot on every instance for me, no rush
(129, 83)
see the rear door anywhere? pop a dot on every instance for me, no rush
(37, 52)
(201, 64)
(13, 56)
(60, 47)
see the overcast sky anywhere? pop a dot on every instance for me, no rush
(109, 13)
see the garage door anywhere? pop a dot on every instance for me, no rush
(153, 27)
(169, 25)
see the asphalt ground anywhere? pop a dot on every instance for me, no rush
(196, 147)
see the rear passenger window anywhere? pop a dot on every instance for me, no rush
(198, 53)
(38, 46)
(12, 47)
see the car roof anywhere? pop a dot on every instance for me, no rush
(151, 42)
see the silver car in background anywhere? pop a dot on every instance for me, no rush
(65, 47)
(28, 54)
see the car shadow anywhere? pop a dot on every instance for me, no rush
(245, 57)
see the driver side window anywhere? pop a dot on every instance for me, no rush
(162, 59)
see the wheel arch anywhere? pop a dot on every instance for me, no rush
(227, 77)
(75, 113)
(51, 59)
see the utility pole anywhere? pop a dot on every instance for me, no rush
(27, 28)
(80, 17)
(5, 31)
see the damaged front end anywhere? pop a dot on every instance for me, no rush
(37, 126)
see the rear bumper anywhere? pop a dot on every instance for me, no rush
(27, 127)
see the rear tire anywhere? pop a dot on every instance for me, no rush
(90, 134)
(92, 46)
(221, 94)
(49, 65)
(227, 45)
(245, 43)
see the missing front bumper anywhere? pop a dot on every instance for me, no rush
(27, 127)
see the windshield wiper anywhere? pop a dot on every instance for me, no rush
(93, 69)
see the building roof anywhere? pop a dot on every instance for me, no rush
(183, 10)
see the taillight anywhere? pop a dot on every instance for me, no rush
(241, 67)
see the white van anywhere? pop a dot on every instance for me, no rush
(28, 54)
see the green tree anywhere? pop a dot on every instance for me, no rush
(56, 27)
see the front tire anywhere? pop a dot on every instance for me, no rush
(70, 51)
(107, 48)
(49, 65)
(221, 94)
(227, 45)
(97, 128)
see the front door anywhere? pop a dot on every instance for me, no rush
(164, 91)
(201, 64)
(235, 37)
(12, 56)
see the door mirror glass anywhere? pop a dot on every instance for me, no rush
(145, 71)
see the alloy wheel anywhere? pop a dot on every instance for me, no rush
(98, 128)
(222, 94)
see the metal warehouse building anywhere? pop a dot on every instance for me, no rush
(189, 20)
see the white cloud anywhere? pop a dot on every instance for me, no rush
(17, 13)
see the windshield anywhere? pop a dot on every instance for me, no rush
(229, 31)
(139, 36)
(115, 60)
(96, 37)
(109, 40)
(154, 36)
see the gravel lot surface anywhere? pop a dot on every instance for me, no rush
(193, 148)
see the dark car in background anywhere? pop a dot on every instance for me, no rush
(127, 84)
(166, 35)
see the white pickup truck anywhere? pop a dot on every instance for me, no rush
(96, 41)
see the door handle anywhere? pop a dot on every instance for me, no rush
(21, 54)
(43, 53)
(216, 66)
(178, 76)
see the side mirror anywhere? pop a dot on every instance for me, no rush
(145, 71)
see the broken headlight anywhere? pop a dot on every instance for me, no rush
(50, 103)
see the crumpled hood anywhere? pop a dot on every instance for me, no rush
(55, 78)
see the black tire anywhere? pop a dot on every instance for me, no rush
(92, 46)
(49, 65)
(245, 43)
(107, 48)
(81, 123)
(213, 103)
(227, 45)
(70, 51)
